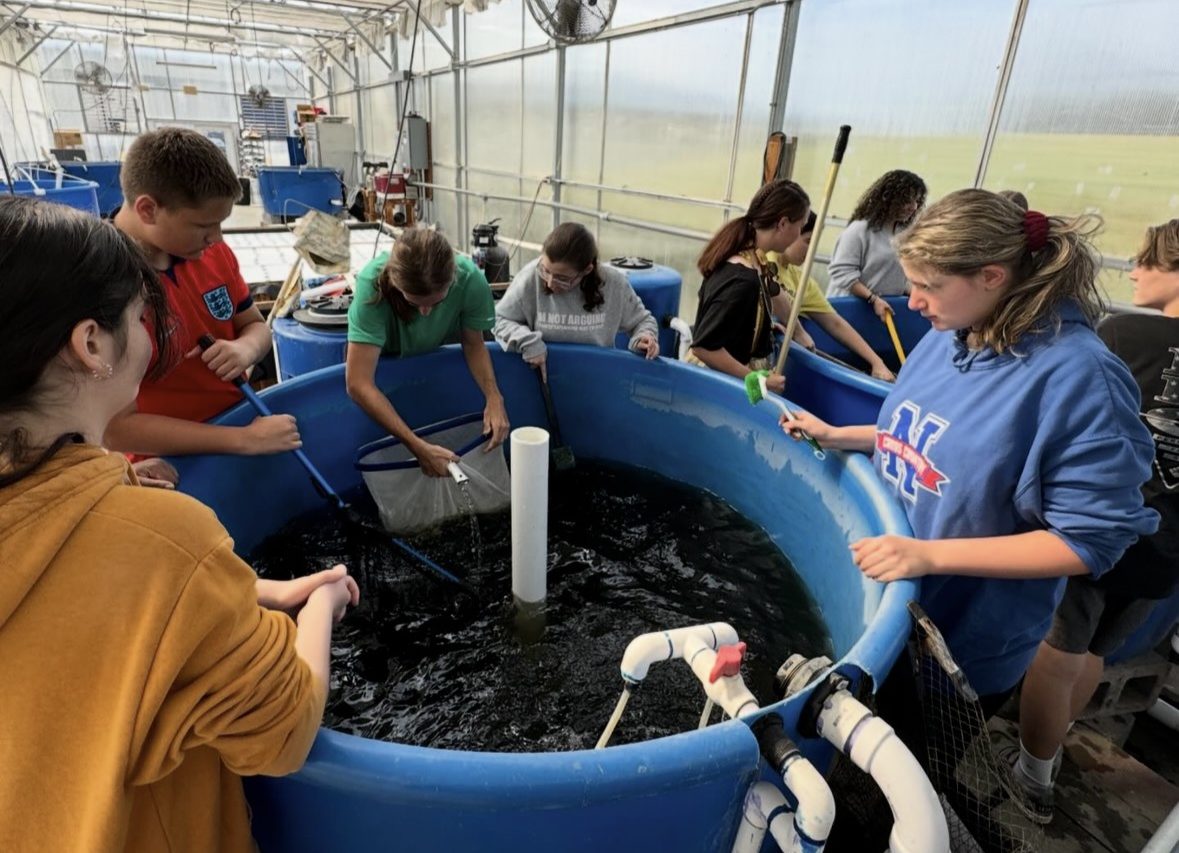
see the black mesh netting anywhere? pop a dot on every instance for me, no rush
(978, 794)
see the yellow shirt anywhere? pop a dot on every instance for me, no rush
(813, 300)
(140, 677)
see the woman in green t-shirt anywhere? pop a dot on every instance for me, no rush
(412, 300)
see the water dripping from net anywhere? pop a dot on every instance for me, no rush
(476, 534)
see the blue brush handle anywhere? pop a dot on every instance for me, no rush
(321, 485)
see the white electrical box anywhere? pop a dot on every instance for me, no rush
(332, 145)
(417, 130)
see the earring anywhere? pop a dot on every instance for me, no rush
(107, 372)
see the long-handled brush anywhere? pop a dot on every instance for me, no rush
(820, 218)
(756, 391)
(892, 333)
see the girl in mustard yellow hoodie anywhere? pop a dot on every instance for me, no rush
(139, 674)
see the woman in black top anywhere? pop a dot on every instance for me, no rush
(740, 293)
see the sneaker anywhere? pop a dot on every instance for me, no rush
(1035, 800)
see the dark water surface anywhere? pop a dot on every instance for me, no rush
(629, 552)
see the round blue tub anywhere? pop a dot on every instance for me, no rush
(73, 192)
(300, 349)
(678, 793)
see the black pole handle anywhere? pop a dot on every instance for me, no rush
(841, 143)
(206, 340)
(549, 409)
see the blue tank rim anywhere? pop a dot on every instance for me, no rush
(844, 375)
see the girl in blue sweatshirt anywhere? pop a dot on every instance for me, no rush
(1011, 437)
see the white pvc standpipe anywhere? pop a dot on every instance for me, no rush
(530, 514)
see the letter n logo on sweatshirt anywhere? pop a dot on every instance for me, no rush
(905, 451)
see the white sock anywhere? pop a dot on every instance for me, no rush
(1039, 770)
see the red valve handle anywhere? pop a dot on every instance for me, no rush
(728, 662)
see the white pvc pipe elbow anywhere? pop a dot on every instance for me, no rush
(815, 814)
(919, 824)
(647, 649)
(765, 808)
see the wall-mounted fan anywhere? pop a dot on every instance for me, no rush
(93, 77)
(572, 21)
(258, 94)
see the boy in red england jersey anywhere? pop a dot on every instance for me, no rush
(178, 188)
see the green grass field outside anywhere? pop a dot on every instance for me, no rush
(1130, 181)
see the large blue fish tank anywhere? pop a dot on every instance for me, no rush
(682, 792)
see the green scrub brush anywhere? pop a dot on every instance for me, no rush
(756, 391)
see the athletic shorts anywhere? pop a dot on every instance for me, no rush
(1093, 619)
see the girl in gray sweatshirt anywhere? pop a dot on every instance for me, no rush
(863, 262)
(566, 296)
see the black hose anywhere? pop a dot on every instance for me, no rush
(381, 198)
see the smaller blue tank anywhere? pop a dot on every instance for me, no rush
(106, 175)
(290, 191)
(659, 287)
(41, 183)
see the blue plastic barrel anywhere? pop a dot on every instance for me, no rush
(681, 793)
(659, 287)
(73, 192)
(290, 191)
(106, 175)
(300, 349)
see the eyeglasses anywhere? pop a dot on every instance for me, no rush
(559, 280)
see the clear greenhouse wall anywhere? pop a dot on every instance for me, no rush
(1088, 120)
(653, 134)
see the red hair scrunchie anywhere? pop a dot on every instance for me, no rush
(1035, 228)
